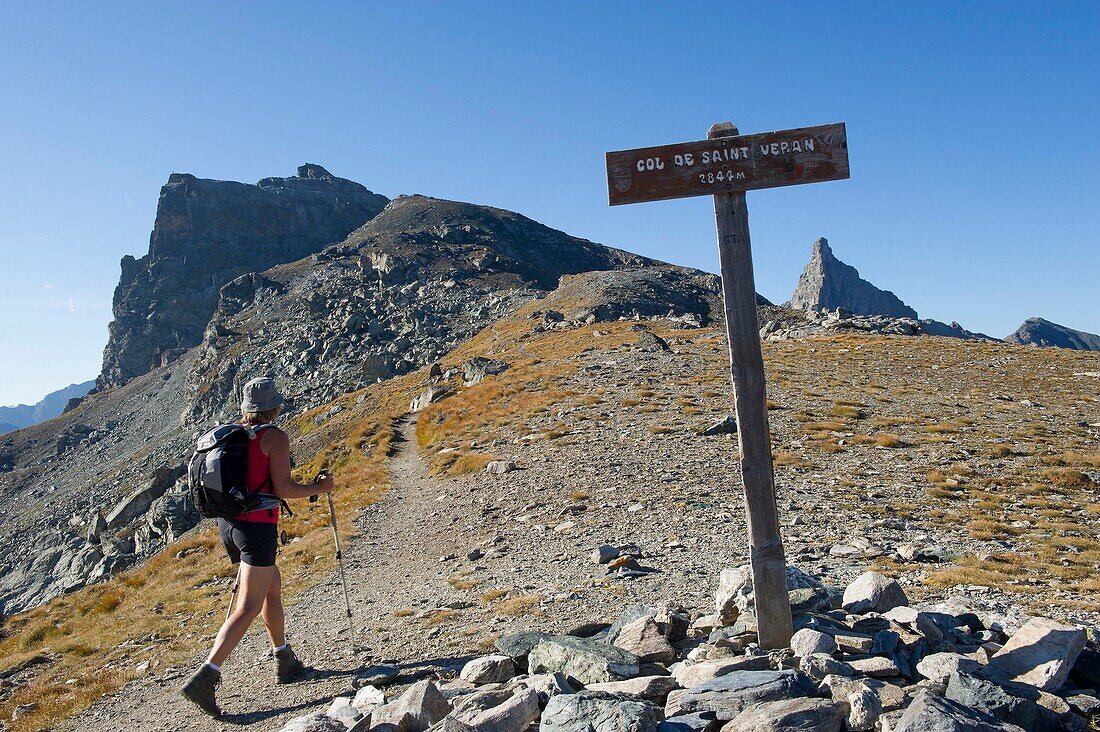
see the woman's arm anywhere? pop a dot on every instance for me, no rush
(276, 445)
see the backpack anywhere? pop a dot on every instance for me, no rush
(216, 474)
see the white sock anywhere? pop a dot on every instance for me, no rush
(214, 666)
(281, 648)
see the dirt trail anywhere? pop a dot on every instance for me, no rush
(394, 556)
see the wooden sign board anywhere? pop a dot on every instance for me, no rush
(728, 164)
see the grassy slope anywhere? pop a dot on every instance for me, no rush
(925, 409)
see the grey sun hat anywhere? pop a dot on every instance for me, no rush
(260, 395)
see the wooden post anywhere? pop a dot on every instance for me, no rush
(769, 566)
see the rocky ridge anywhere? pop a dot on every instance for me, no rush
(1045, 334)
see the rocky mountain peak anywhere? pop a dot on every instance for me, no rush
(827, 283)
(1040, 332)
(207, 233)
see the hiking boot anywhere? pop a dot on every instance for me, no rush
(200, 688)
(287, 665)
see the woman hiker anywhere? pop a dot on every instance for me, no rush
(251, 539)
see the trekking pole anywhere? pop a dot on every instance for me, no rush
(339, 559)
(233, 593)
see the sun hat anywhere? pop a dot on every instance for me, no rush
(260, 395)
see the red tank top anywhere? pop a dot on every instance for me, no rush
(258, 478)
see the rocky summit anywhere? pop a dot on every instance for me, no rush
(1043, 333)
(827, 283)
(206, 233)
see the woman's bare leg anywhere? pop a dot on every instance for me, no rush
(255, 583)
(272, 611)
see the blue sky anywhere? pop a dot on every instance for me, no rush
(974, 192)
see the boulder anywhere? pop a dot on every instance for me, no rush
(315, 722)
(698, 722)
(342, 710)
(545, 685)
(938, 667)
(583, 660)
(643, 687)
(421, 706)
(1023, 704)
(1041, 654)
(593, 711)
(499, 467)
(506, 711)
(808, 641)
(801, 714)
(368, 698)
(488, 670)
(729, 695)
(692, 674)
(376, 676)
(478, 367)
(874, 592)
(930, 713)
(429, 396)
(138, 502)
(518, 646)
(643, 639)
(875, 666)
(819, 665)
(735, 593)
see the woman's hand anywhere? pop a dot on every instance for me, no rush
(325, 483)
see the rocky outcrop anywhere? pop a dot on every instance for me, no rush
(827, 284)
(1039, 332)
(208, 232)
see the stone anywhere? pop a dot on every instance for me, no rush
(518, 646)
(499, 710)
(1032, 708)
(488, 669)
(499, 467)
(376, 676)
(604, 554)
(342, 710)
(643, 687)
(689, 675)
(367, 698)
(809, 600)
(802, 714)
(729, 695)
(873, 592)
(826, 283)
(698, 722)
(138, 502)
(725, 426)
(478, 367)
(430, 395)
(875, 666)
(930, 713)
(1041, 654)
(938, 667)
(1086, 671)
(819, 665)
(583, 660)
(316, 722)
(922, 623)
(854, 642)
(735, 593)
(546, 685)
(421, 706)
(643, 639)
(591, 711)
(652, 343)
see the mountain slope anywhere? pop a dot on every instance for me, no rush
(51, 405)
(1039, 332)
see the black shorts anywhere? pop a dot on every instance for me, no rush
(251, 542)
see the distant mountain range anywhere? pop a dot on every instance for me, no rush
(1039, 332)
(53, 404)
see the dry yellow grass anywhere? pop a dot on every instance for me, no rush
(519, 605)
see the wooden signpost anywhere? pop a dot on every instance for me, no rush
(726, 165)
